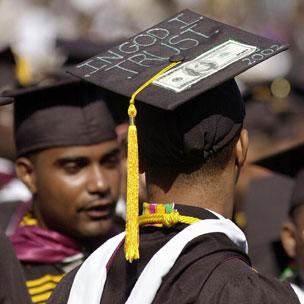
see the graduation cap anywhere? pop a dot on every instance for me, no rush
(208, 52)
(181, 71)
(66, 113)
(289, 162)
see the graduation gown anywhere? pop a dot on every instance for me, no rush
(42, 278)
(211, 269)
(296, 280)
(12, 282)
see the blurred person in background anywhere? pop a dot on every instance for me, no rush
(10, 187)
(275, 112)
(290, 162)
(69, 158)
(12, 282)
(274, 118)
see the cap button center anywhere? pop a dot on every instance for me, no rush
(176, 58)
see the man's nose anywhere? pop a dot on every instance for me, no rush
(97, 181)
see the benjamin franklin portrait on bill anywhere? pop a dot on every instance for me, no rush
(199, 67)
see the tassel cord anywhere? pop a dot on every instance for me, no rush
(132, 226)
(168, 220)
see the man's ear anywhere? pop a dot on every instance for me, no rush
(288, 238)
(241, 148)
(25, 171)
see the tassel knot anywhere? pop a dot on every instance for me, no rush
(171, 219)
(132, 111)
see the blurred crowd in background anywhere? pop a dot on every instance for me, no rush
(39, 38)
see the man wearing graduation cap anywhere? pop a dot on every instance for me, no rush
(189, 114)
(290, 162)
(69, 158)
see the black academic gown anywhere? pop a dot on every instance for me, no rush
(12, 282)
(41, 279)
(211, 270)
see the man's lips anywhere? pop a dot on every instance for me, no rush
(98, 210)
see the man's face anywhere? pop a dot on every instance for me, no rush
(77, 188)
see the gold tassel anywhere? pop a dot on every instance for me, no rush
(132, 234)
(132, 227)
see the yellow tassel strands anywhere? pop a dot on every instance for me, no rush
(132, 235)
(132, 227)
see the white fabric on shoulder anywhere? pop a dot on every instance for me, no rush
(150, 279)
(299, 292)
(216, 214)
(91, 277)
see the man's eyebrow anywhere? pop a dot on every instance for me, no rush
(71, 159)
(113, 152)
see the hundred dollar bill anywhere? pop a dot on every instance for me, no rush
(208, 63)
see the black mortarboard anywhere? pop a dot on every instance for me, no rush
(211, 54)
(181, 71)
(67, 113)
(289, 162)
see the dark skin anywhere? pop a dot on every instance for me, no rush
(292, 236)
(215, 192)
(75, 189)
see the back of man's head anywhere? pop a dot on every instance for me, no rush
(199, 135)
